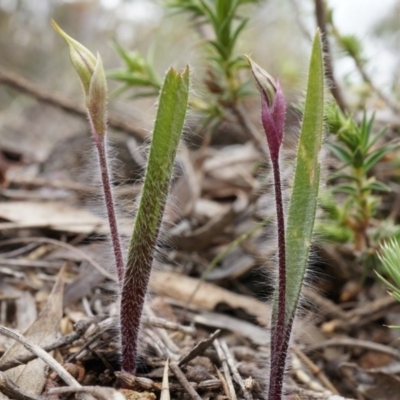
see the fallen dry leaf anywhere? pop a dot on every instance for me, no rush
(208, 296)
(31, 377)
(52, 215)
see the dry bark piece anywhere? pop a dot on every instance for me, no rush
(8, 388)
(43, 331)
(208, 297)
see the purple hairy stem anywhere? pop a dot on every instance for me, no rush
(110, 205)
(132, 301)
(137, 275)
(273, 111)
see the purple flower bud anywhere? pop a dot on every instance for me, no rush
(273, 108)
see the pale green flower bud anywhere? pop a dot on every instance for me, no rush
(83, 60)
(91, 73)
(265, 81)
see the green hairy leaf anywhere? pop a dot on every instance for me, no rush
(167, 132)
(303, 201)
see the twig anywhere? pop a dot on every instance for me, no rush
(315, 370)
(8, 388)
(49, 360)
(225, 367)
(223, 382)
(199, 349)
(304, 377)
(49, 97)
(183, 381)
(362, 315)
(173, 326)
(165, 395)
(320, 13)
(20, 251)
(235, 372)
(64, 341)
(30, 263)
(170, 346)
(101, 393)
(82, 254)
(349, 342)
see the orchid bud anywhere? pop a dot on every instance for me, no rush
(91, 73)
(97, 99)
(273, 108)
(82, 59)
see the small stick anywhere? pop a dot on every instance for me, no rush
(30, 263)
(156, 343)
(320, 14)
(225, 367)
(200, 348)
(173, 326)
(316, 371)
(23, 85)
(223, 382)
(183, 381)
(349, 342)
(231, 362)
(47, 358)
(62, 342)
(67, 246)
(165, 395)
(163, 335)
(101, 393)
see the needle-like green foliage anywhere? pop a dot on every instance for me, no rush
(390, 258)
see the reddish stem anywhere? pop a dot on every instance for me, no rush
(108, 197)
(137, 276)
(132, 301)
(279, 337)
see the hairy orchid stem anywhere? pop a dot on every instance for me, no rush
(278, 332)
(110, 206)
(164, 144)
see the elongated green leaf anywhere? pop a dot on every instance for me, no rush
(303, 201)
(166, 135)
(167, 132)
